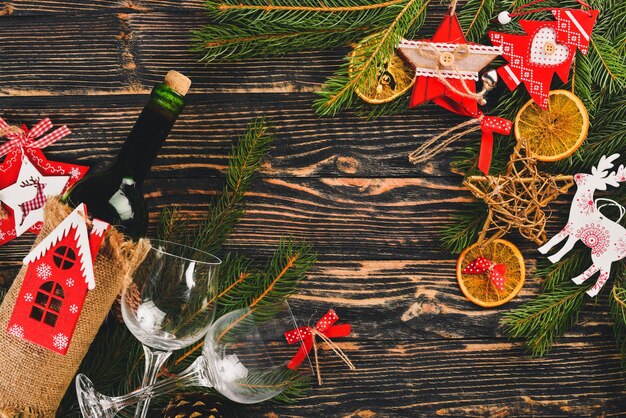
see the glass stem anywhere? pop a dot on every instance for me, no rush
(154, 362)
(190, 377)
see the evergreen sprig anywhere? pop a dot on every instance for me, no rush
(307, 13)
(231, 41)
(464, 228)
(223, 215)
(617, 306)
(475, 16)
(543, 319)
(361, 67)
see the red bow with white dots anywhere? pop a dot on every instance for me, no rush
(483, 265)
(325, 329)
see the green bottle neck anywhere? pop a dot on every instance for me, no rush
(148, 134)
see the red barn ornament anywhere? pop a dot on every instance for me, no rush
(59, 275)
(547, 48)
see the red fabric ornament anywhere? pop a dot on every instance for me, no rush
(58, 277)
(446, 69)
(324, 326)
(28, 178)
(483, 265)
(547, 48)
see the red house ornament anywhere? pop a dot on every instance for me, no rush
(59, 275)
(548, 47)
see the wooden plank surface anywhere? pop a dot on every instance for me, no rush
(343, 183)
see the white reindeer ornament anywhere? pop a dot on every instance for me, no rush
(605, 238)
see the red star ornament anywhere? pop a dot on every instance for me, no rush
(10, 173)
(547, 48)
(447, 56)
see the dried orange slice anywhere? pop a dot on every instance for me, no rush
(477, 287)
(556, 132)
(394, 78)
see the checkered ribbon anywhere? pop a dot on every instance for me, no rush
(31, 138)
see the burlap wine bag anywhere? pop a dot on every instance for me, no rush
(33, 378)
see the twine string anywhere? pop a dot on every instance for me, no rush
(435, 145)
(334, 347)
(8, 130)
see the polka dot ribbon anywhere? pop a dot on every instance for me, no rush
(24, 138)
(325, 330)
(483, 265)
(489, 125)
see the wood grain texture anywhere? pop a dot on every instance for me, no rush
(343, 183)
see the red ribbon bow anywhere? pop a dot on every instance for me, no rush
(326, 330)
(28, 138)
(483, 265)
(489, 125)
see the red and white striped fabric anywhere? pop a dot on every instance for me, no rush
(29, 139)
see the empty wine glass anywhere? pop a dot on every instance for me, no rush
(169, 305)
(244, 357)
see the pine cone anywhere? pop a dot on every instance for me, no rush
(200, 405)
(134, 300)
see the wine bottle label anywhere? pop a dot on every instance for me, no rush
(121, 203)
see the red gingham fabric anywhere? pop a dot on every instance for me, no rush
(29, 139)
(36, 203)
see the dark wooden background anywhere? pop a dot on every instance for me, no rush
(342, 183)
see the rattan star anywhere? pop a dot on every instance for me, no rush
(516, 198)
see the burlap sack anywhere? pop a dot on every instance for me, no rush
(35, 378)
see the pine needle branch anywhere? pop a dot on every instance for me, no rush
(360, 69)
(617, 306)
(540, 321)
(280, 279)
(307, 13)
(475, 17)
(464, 229)
(230, 42)
(555, 275)
(245, 159)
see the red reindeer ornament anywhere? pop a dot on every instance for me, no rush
(548, 47)
(59, 275)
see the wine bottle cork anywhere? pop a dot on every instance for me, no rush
(177, 82)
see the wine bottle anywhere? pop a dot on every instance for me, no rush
(115, 194)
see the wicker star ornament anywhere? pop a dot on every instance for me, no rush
(517, 197)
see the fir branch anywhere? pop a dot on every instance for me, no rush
(609, 64)
(545, 318)
(555, 275)
(475, 17)
(228, 41)
(617, 306)
(360, 70)
(307, 13)
(245, 159)
(465, 227)
(582, 81)
(172, 225)
(280, 278)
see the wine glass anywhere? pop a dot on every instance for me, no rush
(244, 357)
(170, 304)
